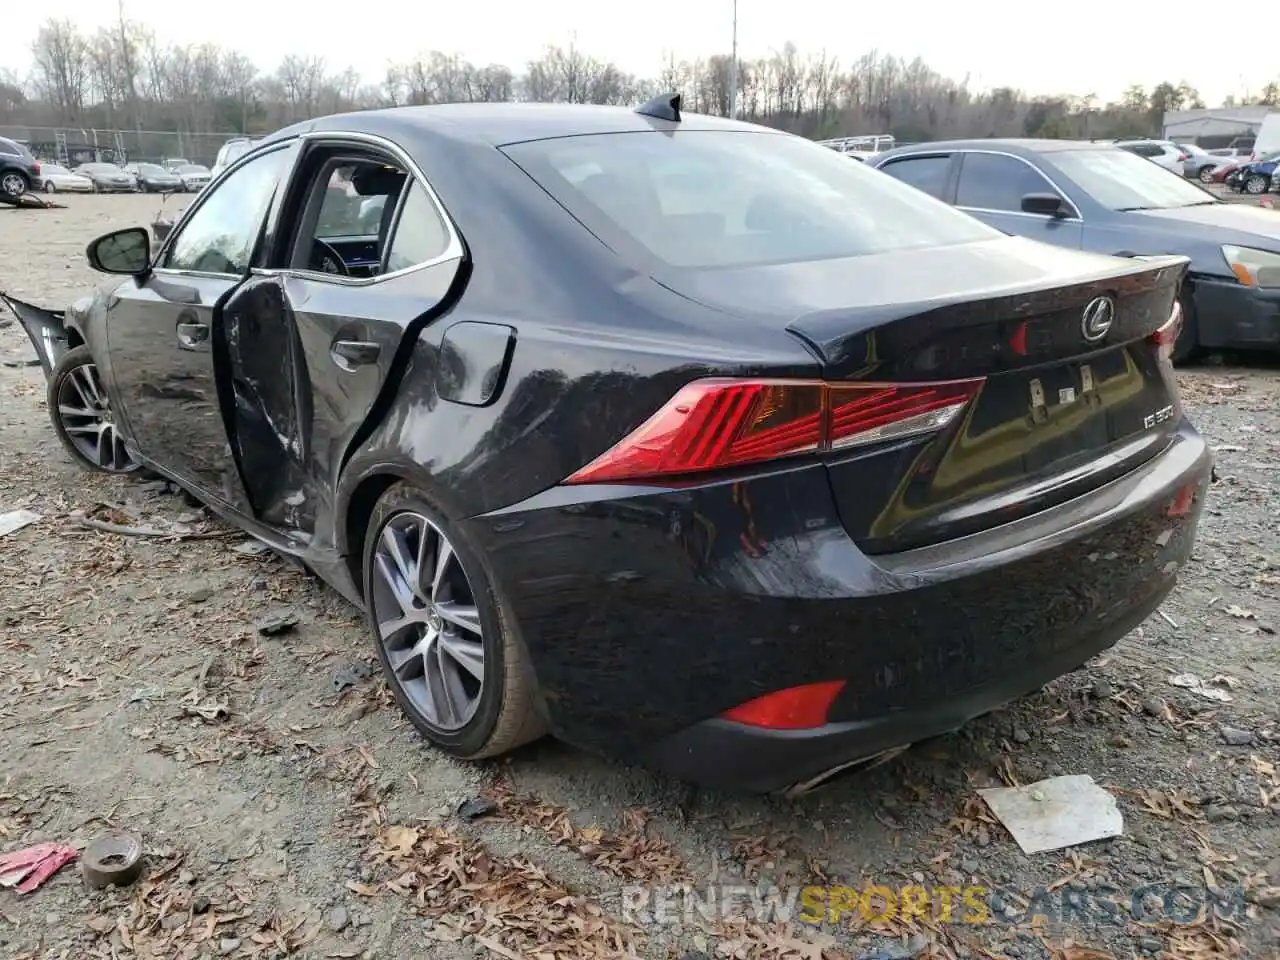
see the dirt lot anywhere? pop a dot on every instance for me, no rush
(287, 809)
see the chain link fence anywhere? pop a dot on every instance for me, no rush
(118, 146)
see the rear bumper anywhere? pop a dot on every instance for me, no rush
(727, 755)
(1232, 315)
(648, 614)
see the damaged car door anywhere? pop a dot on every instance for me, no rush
(363, 255)
(162, 329)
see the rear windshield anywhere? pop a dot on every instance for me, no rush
(703, 199)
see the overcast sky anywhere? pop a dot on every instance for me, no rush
(1090, 46)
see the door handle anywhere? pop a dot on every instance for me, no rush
(349, 354)
(192, 334)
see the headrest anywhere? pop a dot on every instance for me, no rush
(377, 181)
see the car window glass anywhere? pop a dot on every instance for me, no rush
(703, 199)
(990, 181)
(355, 197)
(221, 234)
(10, 149)
(924, 173)
(420, 233)
(1118, 180)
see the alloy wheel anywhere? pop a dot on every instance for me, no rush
(1256, 185)
(85, 415)
(427, 621)
(13, 184)
(1206, 175)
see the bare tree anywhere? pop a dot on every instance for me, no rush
(124, 76)
(61, 71)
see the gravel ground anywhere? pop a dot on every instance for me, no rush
(287, 809)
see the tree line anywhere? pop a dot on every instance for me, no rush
(123, 77)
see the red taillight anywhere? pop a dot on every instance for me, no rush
(35, 169)
(796, 708)
(1167, 335)
(714, 424)
(1183, 156)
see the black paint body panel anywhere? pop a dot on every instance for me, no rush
(648, 610)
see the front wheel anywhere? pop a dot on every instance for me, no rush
(82, 416)
(1256, 184)
(450, 655)
(1205, 174)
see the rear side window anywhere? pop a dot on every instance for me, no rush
(924, 173)
(703, 199)
(11, 149)
(420, 233)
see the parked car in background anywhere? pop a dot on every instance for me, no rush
(1162, 153)
(173, 163)
(801, 489)
(108, 178)
(195, 176)
(1200, 164)
(1254, 176)
(19, 169)
(230, 151)
(1094, 197)
(55, 178)
(153, 178)
(1221, 174)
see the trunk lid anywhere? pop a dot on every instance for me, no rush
(1069, 403)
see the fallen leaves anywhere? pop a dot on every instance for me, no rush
(631, 854)
(510, 906)
(1167, 805)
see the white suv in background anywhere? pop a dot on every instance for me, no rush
(232, 150)
(1160, 152)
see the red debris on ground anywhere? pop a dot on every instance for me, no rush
(29, 868)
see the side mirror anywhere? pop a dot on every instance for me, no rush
(121, 251)
(1044, 204)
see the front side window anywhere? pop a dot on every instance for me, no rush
(706, 199)
(924, 173)
(1118, 180)
(989, 181)
(221, 234)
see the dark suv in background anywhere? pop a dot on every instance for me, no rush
(19, 170)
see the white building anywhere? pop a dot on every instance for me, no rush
(1214, 127)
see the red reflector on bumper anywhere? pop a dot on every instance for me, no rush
(796, 708)
(1180, 505)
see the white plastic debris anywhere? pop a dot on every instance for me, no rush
(1056, 813)
(15, 520)
(1189, 681)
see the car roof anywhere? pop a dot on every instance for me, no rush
(1011, 144)
(504, 123)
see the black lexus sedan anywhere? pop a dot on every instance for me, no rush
(1097, 197)
(153, 178)
(688, 441)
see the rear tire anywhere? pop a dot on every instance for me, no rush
(1186, 348)
(50, 187)
(1205, 174)
(492, 719)
(14, 183)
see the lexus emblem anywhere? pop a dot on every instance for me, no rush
(1097, 319)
